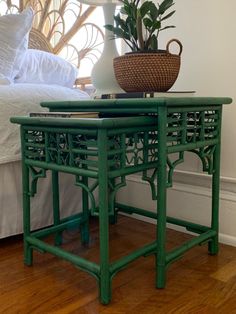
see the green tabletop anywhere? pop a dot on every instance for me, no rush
(86, 122)
(137, 105)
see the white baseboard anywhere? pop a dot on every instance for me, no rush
(188, 201)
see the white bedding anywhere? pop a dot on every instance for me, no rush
(11, 214)
(19, 100)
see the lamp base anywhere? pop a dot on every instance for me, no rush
(103, 77)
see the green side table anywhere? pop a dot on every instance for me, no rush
(149, 136)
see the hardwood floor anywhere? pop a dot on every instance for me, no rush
(197, 283)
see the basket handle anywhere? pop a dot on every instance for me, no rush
(178, 42)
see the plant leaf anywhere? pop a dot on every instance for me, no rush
(145, 8)
(118, 32)
(165, 5)
(109, 27)
(131, 28)
(138, 18)
(154, 11)
(153, 43)
(166, 27)
(119, 22)
(167, 16)
(147, 23)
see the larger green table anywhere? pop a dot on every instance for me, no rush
(149, 136)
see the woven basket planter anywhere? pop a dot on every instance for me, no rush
(151, 71)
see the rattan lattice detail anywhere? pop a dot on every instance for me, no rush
(62, 148)
(133, 148)
(192, 127)
(129, 149)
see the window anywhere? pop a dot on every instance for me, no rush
(74, 30)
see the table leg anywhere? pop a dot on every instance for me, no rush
(85, 204)
(56, 206)
(161, 199)
(28, 251)
(213, 245)
(105, 278)
(113, 217)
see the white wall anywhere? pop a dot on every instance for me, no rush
(207, 30)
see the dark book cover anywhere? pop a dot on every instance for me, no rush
(149, 94)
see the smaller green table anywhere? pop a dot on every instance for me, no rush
(151, 139)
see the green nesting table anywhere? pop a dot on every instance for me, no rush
(147, 136)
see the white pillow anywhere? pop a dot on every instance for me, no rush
(14, 30)
(40, 67)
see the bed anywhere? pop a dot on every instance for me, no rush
(23, 90)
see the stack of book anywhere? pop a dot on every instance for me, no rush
(65, 114)
(149, 94)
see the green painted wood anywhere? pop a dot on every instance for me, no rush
(105, 278)
(143, 103)
(124, 261)
(90, 267)
(56, 206)
(179, 251)
(161, 198)
(213, 245)
(64, 224)
(110, 123)
(197, 228)
(108, 149)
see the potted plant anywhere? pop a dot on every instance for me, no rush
(146, 67)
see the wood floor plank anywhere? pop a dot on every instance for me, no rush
(226, 272)
(197, 283)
